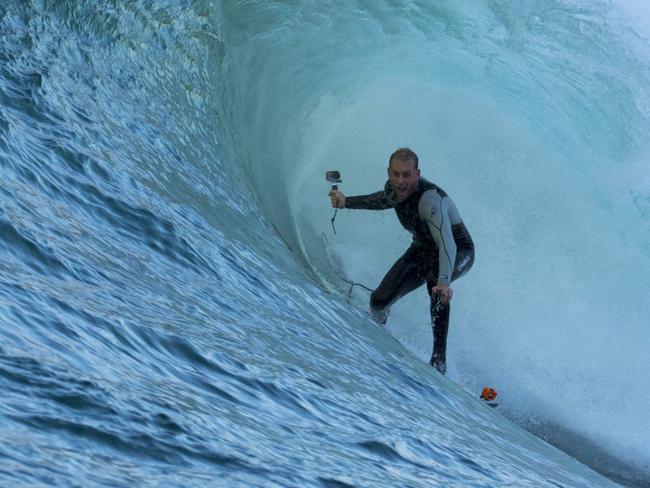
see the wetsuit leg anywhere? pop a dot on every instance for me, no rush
(440, 311)
(402, 278)
(440, 323)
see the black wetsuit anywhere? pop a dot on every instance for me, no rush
(441, 252)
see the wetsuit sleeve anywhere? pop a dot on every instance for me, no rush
(433, 209)
(375, 201)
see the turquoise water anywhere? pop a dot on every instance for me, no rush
(170, 308)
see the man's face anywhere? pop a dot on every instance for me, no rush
(403, 177)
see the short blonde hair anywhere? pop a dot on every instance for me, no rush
(404, 154)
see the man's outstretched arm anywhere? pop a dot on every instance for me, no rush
(374, 201)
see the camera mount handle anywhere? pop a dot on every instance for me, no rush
(334, 177)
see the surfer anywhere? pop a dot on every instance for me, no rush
(441, 251)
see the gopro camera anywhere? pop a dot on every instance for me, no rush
(333, 176)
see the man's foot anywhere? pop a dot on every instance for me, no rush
(379, 316)
(439, 362)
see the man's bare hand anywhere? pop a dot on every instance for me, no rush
(444, 291)
(337, 198)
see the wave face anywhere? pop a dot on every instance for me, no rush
(171, 308)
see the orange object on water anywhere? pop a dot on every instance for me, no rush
(488, 394)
